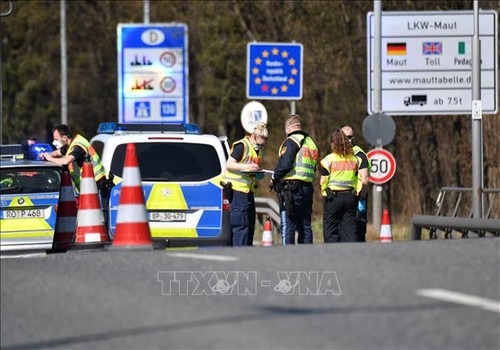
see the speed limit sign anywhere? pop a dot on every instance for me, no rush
(383, 166)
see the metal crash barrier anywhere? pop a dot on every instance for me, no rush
(490, 223)
(452, 223)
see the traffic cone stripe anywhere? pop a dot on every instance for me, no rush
(131, 213)
(66, 224)
(90, 201)
(132, 195)
(134, 236)
(131, 176)
(66, 193)
(67, 208)
(88, 185)
(131, 157)
(91, 217)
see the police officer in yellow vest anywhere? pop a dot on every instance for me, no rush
(70, 150)
(292, 179)
(339, 183)
(363, 173)
(245, 158)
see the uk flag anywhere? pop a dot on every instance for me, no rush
(432, 48)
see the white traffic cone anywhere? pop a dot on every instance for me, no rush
(132, 226)
(267, 234)
(90, 230)
(385, 228)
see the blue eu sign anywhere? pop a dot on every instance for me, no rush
(274, 71)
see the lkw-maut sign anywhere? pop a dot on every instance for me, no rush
(426, 62)
(152, 73)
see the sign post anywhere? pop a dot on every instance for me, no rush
(426, 62)
(152, 73)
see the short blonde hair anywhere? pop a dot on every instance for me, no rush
(294, 120)
(261, 130)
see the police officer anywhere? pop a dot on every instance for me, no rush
(362, 187)
(338, 183)
(245, 158)
(293, 179)
(70, 150)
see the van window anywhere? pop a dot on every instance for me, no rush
(170, 161)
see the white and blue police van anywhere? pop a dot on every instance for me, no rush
(181, 172)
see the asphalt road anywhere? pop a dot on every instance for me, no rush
(441, 294)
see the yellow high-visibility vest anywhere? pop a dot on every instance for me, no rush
(342, 172)
(74, 169)
(305, 159)
(244, 182)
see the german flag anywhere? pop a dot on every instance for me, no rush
(396, 49)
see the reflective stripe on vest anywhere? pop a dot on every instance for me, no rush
(305, 159)
(240, 181)
(342, 172)
(74, 169)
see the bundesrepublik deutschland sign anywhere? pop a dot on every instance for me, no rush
(274, 71)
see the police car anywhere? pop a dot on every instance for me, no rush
(181, 171)
(29, 194)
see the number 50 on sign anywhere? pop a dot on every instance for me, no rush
(383, 166)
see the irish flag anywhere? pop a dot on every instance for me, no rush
(396, 49)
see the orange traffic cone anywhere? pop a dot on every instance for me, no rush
(66, 215)
(385, 229)
(132, 227)
(90, 231)
(267, 234)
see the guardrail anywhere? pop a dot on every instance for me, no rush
(449, 223)
(268, 207)
(452, 223)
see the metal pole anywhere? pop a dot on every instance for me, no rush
(64, 68)
(477, 161)
(146, 11)
(292, 108)
(377, 104)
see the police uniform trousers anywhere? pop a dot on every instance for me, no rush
(301, 219)
(339, 218)
(242, 218)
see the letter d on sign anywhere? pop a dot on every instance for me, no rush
(152, 37)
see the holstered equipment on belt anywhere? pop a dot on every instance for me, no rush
(227, 187)
(105, 185)
(284, 190)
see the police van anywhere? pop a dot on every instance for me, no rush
(181, 170)
(29, 196)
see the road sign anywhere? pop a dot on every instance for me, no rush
(383, 165)
(426, 62)
(152, 73)
(379, 129)
(252, 114)
(274, 71)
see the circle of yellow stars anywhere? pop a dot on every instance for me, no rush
(275, 52)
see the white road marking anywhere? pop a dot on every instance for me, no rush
(23, 256)
(205, 256)
(460, 298)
